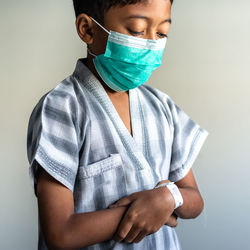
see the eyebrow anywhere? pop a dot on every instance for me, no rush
(147, 18)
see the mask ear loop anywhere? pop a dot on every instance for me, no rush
(99, 25)
(92, 54)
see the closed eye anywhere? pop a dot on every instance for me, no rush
(162, 35)
(135, 32)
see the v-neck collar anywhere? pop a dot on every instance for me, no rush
(134, 144)
(131, 116)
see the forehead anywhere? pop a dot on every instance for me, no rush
(147, 9)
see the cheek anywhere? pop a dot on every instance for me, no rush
(100, 42)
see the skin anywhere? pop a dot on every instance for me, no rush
(129, 220)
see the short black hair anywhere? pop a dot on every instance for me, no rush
(97, 8)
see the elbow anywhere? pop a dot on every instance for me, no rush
(202, 205)
(199, 208)
(57, 241)
(58, 236)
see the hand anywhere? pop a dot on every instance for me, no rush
(149, 210)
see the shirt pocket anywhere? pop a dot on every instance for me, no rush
(99, 184)
(100, 167)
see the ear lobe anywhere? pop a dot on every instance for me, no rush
(84, 27)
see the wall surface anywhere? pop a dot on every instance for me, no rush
(205, 71)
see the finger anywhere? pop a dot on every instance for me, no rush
(132, 234)
(122, 202)
(172, 221)
(123, 230)
(140, 236)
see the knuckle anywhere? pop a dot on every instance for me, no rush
(148, 230)
(132, 216)
(140, 226)
(154, 229)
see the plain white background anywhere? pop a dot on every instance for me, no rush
(205, 71)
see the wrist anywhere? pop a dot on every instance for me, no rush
(178, 200)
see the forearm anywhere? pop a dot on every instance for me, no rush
(86, 229)
(192, 203)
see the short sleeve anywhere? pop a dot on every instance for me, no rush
(188, 139)
(52, 138)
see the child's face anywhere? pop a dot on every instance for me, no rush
(149, 20)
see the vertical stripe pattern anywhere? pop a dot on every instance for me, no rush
(78, 137)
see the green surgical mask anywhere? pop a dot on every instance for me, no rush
(128, 61)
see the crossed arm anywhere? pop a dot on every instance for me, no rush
(129, 220)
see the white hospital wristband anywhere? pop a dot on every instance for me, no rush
(174, 190)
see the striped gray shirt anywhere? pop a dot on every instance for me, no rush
(78, 137)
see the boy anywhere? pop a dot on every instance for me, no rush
(110, 156)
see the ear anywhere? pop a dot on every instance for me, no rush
(85, 28)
